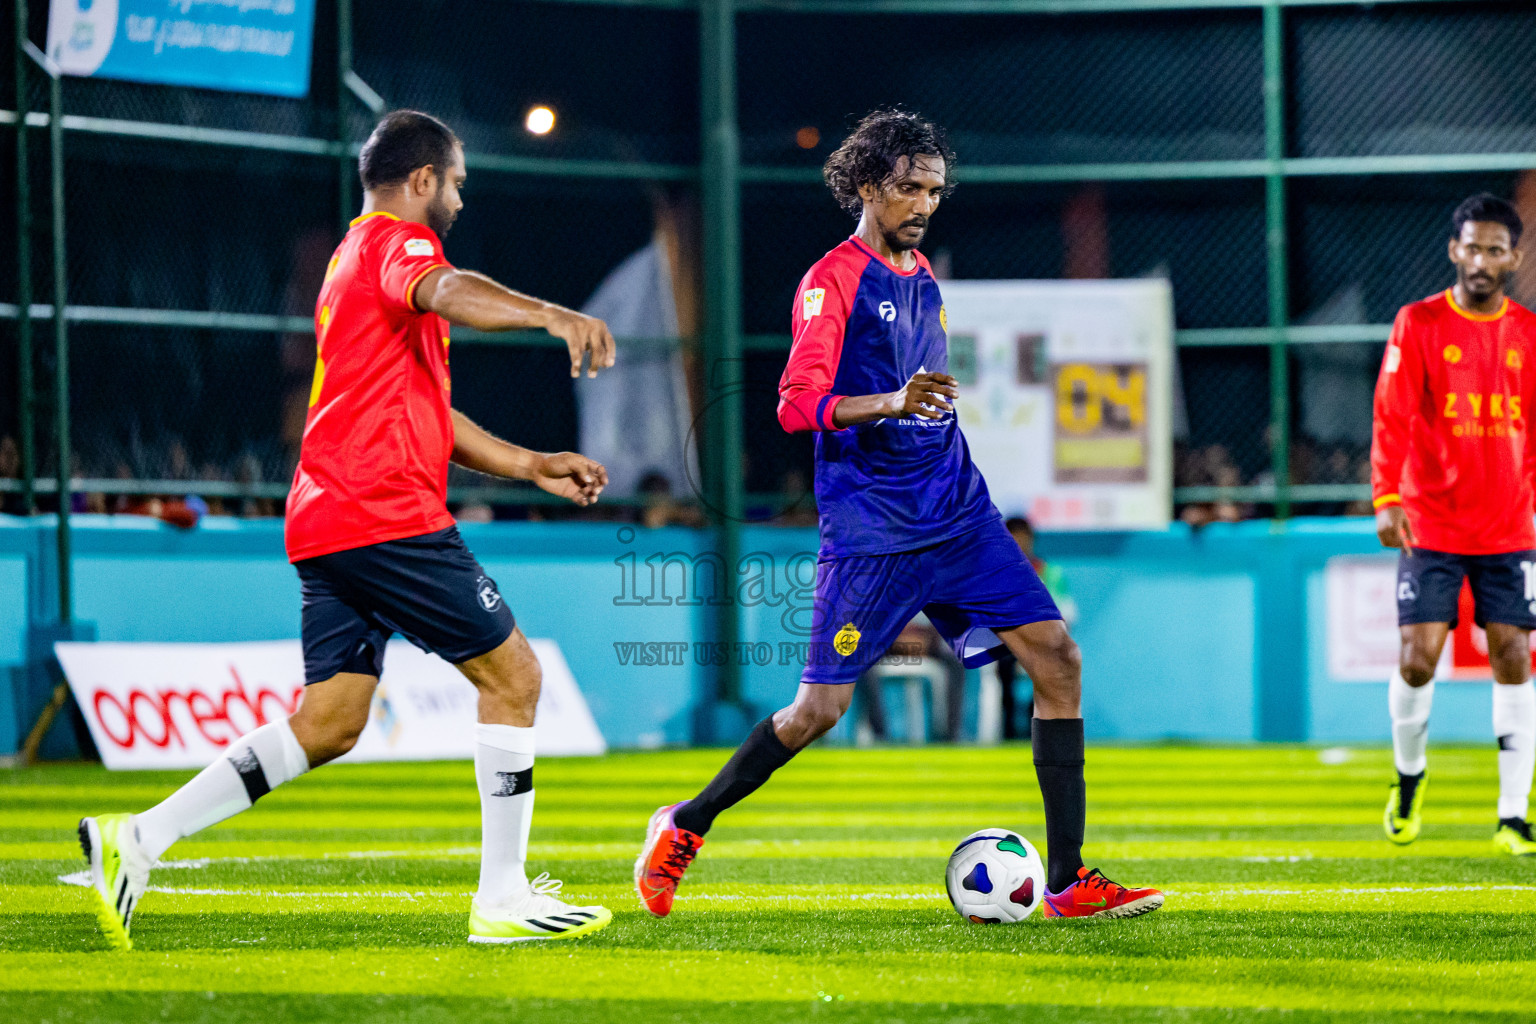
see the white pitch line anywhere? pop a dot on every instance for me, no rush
(83, 879)
(1352, 890)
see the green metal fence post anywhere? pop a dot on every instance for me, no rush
(60, 335)
(24, 383)
(344, 189)
(1279, 269)
(721, 208)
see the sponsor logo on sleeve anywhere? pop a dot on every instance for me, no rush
(1394, 358)
(419, 247)
(811, 301)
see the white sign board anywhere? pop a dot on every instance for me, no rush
(1065, 397)
(179, 705)
(1363, 636)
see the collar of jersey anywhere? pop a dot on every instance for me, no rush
(355, 221)
(856, 240)
(1450, 296)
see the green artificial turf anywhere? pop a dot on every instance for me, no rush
(344, 897)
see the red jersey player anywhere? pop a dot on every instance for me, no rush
(377, 552)
(1451, 470)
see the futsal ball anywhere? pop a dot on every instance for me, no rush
(995, 876)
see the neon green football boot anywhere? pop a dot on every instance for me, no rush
(535, 914)
(1403, 831)
(1514, 837)
(119, 871)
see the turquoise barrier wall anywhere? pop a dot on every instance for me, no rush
(1212, 636)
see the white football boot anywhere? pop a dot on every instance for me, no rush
(535, 914)
(119, 870)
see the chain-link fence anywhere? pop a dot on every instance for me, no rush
(1188, 144)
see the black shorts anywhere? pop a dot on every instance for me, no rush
(429, 589)
(1503, 587)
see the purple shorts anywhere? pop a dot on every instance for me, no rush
(967, 585)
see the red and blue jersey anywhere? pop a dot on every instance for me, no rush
(862, 326)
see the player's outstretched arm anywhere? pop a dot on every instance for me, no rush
(474, 300)
(926, 396)
(567, 474)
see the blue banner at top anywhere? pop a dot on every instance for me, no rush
(240, 45)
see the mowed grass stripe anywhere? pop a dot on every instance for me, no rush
(768, 849)
(185, 896)
(918, 977)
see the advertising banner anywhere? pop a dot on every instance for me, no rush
(239, 45)
(179, 705)
(1363, 635)
(1065, 397)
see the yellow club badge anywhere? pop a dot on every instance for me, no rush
(944, 319)
(1512, 359)
(847, 640)
(1452, 354)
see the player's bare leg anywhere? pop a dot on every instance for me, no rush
(1047, 652)
(507, 907)
(676, 832)
(1514, 727)
(1410, 694)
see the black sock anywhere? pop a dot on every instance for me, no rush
(760, 755)
(1409, 785)
(1058, 745)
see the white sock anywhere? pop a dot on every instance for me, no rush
(1409, 707)
(1514, 725)
(257, 762)
(504, 771)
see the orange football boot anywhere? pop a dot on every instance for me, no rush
(667, 853)
(1093, 895)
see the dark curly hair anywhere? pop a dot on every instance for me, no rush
(869, 156)
(1486, 207)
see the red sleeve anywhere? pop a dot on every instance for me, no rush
(406, 253)
(1399, 395)
(1528, 373)
(820, 316)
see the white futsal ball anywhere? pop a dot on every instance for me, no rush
(995, 876)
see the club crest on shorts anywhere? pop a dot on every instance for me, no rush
(847, 640)
(490, 597)
(1407, 590)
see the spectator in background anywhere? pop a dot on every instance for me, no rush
(1023, 533)
(1211, 466)
(10, 469)
(659, 508)
(475, 512)
(254, 507)
(918, 639)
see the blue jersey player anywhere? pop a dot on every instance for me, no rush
(907, 524)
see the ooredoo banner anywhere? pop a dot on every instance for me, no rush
(179, 705)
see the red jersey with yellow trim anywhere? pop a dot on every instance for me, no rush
(374, 463)
(1451, 437)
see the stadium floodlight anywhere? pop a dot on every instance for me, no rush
(540, 120)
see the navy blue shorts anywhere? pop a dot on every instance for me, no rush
(429, 589)
(967, 586)
(1503, 587)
